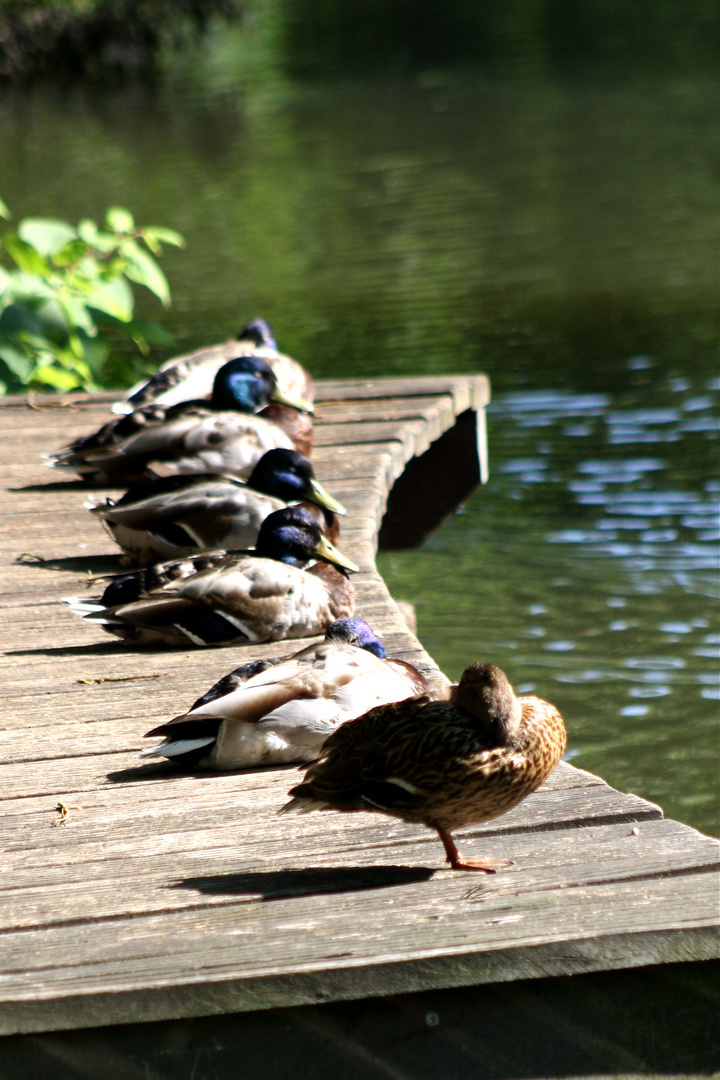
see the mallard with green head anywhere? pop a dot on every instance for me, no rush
(177, 516)
(444, 764)
(227, 434)
(192, 375)
(293, 584)
(280, 710)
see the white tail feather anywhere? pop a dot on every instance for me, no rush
(83, 607)
(175, 747)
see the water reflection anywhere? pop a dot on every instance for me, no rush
(560, 236)
(619, 553)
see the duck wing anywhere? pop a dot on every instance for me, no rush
(196, 442)
(193, 376)
(204, 514)
(242, 599)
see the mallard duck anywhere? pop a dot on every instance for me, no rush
(445, 764)
(192, 376)
(271, 593)
(280, 710)
(177, 516)
(222, 435)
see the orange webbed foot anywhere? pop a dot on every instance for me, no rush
(457, 862)
(486, 865)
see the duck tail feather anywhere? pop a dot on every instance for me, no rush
(303, 804)
(175, 747)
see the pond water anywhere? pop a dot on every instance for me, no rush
(561, 236)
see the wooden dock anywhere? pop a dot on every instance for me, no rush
(163, 896)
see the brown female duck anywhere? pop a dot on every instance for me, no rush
(446, 764)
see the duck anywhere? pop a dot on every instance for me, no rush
(176, 516)
(192, 375)
(444, 764)
(293, 584)
(280, 710)
(229, 433)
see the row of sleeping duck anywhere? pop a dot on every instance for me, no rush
(234, 541)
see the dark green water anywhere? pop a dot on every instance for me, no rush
(561, 236)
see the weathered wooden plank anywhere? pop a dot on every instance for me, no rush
(439, 411)
(153, 898)
(468, 391)
(139, 884)
(571, 856)
(159, 789)
(572, 930)
(312, 931)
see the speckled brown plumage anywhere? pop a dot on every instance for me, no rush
(446, 764)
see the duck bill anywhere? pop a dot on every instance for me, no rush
(296, 403)
(330, 553)
(316, 493)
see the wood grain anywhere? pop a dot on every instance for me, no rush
(165, 895)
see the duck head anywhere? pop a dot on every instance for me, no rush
(258, 332)
(289, 476)
(247, 384)
(356, 632)
(293, 536)
(485, 692)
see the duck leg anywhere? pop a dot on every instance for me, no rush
(457, 862)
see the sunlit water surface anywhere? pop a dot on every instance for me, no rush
(561, 238)
(588, 569)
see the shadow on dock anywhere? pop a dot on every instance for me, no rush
(279, 884)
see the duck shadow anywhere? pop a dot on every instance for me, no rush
(170, 770)
(98, 648)
(100, 565)
(66, 485)
(282, 884)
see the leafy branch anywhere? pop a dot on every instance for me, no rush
(68, 285)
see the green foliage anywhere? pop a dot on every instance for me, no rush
(105, 41)
(69, 291)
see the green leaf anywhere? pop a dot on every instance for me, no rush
(87, 230)
(119, 220)
(153, 334)
(53, 320)
(113, 297)
(17, 319)
(75, 346)
(46, 235)
(106, 242)
(143, 269)
(26, 257)
(163, 236)
(16, 361)
(4, 212)
(96, 352)
(70, 254)
(58, 378)
(26, 288)
(95, 237)
(76, 313)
